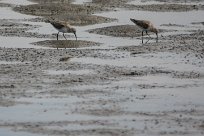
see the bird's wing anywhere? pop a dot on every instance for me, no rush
(57, 25)
(141, 23)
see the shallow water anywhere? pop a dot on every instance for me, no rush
(81, 1)
(17, 2)
(8, 132)
(42, 110)
(167, 93)
(7, 13)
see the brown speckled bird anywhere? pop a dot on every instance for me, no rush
(64, 27)
(146, 26)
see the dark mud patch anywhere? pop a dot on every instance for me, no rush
(52, 1)
(120, 31)
(66, 43)
(110, 3)
(74, 14)
(152, 7)
(6, 103)
(83, 19)
(166, 7)
(102, 112)
(52, 9)
(95, 127)
(173, 25)
(5, 5)
(175, 1)
(14, 23)
(10, 102)
(198, 23)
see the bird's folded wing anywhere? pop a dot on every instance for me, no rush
(143, 23)
(57, 25)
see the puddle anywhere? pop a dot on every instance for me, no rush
(74, 72)
(75, 127)
(45, 28)
(159, 100)
(8, 132)
(7, 13)
(43, 110)
(81, 1)
(17, 2)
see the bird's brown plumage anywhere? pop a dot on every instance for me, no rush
(58, 25)
(146, 26)
(64, 27)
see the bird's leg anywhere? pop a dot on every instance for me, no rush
(75, 35)
(157, 38)
(142, 36)
(64, 36)
(57, 35)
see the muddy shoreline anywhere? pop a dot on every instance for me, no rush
(87, 87)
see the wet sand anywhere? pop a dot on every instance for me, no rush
(105, 84)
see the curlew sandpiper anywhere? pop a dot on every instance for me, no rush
(63, 27)
(146, 26)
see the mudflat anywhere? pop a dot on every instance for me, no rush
(107, 83)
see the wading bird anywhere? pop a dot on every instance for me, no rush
(63, 27)
(146, 26)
